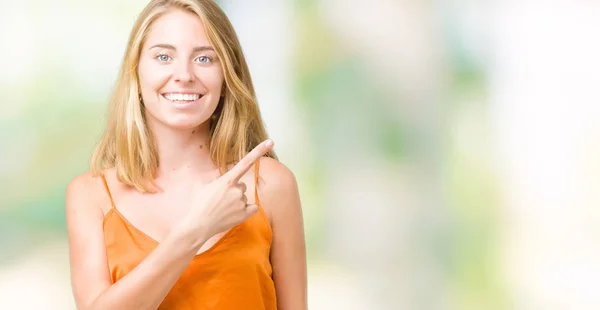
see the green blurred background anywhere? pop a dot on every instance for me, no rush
(446, 151)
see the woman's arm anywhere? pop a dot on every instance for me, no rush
(145, 286)
(280, 198)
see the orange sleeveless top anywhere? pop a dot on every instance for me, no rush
(235, 273)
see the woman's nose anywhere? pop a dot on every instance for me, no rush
(184, 73)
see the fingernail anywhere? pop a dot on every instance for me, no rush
(269, 143)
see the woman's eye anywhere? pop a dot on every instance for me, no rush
(203, 59)
(163, 57)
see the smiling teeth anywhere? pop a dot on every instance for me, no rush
(182, 97)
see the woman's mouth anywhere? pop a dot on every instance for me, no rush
(183, 100)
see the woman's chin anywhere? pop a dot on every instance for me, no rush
(177, 121)
(185, 123)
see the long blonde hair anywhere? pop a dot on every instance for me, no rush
(236, 126)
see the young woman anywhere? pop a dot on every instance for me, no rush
(186, 206)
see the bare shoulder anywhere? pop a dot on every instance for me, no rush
(87, 250)
(83, 192)
(80, 186)
(276, 179)
(278, 190)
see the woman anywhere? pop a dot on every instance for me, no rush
(186, 206)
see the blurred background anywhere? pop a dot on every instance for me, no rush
(447, 152)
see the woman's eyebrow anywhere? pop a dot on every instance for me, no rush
(171, 47)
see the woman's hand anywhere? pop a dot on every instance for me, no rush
(222, 204)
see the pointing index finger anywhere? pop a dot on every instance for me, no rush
(248, 161)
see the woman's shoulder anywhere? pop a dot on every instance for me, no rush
(85, 190)
(277, 181)
(89, 181)
(279, 194)
(275, 173)
(81, 183)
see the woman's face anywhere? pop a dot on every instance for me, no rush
(180, 76)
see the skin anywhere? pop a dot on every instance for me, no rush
(196, 206)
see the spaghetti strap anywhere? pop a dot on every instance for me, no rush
(256, 199)
(112, 203)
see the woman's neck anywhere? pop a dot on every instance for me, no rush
(183, 151)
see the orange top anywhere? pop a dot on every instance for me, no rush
(235, 273)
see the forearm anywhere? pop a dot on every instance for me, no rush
(146, 286)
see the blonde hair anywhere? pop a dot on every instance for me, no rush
(236, 126)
